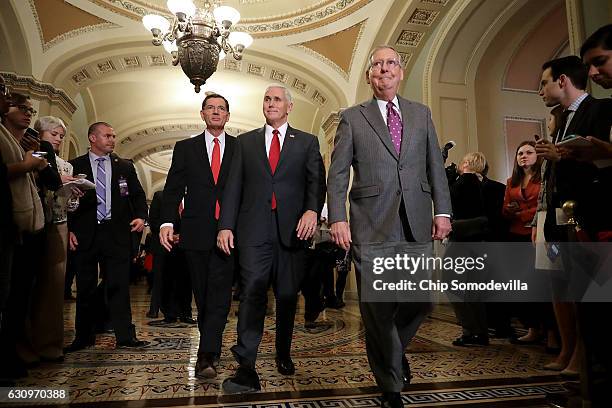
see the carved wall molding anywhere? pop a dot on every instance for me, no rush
(40, 90)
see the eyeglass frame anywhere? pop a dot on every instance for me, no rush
(5, 90)
(392, 63)
(25, 109)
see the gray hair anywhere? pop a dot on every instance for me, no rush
(284, 88)
(48, 123)
(383, 47)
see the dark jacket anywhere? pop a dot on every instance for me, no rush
(124, 209)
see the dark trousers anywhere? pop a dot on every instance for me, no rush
(114, 260)
(70, 274)
(261, 265)
(211, 279)
(159, 260)
(389, 326)
(175, 286)
(311, 287)
(27, 262)
(6, 262)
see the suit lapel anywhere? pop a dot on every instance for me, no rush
(288, 145)
(115, 170)
(227, 158)
(372, 114)
(202, 154)
(407, 125)
(579, 116)
(260, 148)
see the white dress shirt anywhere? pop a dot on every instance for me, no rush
(108, 169)
(382, 105)
(281, 137)
(210, 144)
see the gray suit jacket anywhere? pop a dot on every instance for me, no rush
(382, 178)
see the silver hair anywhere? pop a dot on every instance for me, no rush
(383, 47)
(48, 123)
(284, 88)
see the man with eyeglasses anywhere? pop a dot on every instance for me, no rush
(26, 237)
(198, 174)
(391, 144)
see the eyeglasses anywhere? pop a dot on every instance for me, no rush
(26, 109)
(4, 90)
(378, 65)
(213, 107)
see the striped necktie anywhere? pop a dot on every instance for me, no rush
(101, 188)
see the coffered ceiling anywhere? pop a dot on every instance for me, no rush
(99, 58)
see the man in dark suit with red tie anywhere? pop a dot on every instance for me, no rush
(271, 205)
(199, 172)
(100, 234)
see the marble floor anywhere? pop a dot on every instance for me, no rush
(332, 368)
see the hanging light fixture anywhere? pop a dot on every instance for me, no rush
(198, 37)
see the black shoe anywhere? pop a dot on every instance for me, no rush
(80, 344)
(310, 324)
(59, 359)
(132, 343)
(285, 366)
(391, 400)
(244, 380)
(152, 315)
(406, 375)
(504, 333)
(471, 339)
(187, 320)
(205, 367)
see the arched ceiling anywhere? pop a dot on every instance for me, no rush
(98, 54)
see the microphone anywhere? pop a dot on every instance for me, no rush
(446, 148)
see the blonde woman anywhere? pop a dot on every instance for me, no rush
(47, 317)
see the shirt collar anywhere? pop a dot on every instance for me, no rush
(574, 105)
(382, 104)
(94, 156)
(209, 137)
(282, 129)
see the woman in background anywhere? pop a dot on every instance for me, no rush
(47, 311)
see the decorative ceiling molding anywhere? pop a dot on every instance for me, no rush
(337, 49)
(85, 75)
(39, 90)
(168, 129)
(74, 22)
(301, 20)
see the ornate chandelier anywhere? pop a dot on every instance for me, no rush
(198, 36)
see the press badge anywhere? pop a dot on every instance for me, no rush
(123, 187)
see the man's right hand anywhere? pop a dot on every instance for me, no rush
(34, 163)
(341, 234)
(225, 241)
(166, 237)
(72, 241)
(547, 150)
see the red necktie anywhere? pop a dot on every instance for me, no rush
(215, 165)
(273, 157)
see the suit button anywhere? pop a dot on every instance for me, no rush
(401, 167)
(399, 192)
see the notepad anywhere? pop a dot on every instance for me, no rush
(575, 141)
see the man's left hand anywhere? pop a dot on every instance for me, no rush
(441, 228)
(137, 225)
(307, 225)
(598, 150)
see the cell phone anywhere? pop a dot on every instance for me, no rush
(553, 251)
(32, 133)
(40, 154)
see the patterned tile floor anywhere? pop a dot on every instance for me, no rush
(332, 369)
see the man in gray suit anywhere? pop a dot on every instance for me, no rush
(398, 171)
